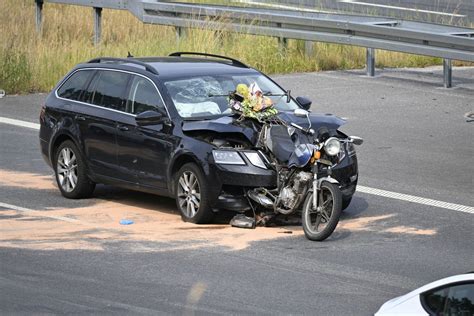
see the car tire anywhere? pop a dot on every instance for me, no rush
(191, 193)
(346, 202)
(71, 172)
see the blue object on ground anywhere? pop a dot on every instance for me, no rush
(126, 222)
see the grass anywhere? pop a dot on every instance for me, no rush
(31, 62)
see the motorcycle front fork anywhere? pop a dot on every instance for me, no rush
(315, 187)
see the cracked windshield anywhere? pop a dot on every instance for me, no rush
(208, 96)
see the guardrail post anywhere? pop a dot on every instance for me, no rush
(180, 33)
(308, 48)
(447, 73)
(282, 43)
(39, 15)
(97, 25)
(370, 63)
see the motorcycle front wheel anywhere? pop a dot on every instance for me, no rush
(320, 222)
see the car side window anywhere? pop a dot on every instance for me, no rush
(74, 85)
(107, 89)
(143, 96)
(451, 300)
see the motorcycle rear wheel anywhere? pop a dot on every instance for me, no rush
(330, 200)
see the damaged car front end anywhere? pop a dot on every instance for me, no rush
(235, 163)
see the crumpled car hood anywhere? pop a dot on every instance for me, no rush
(249, 128)
(318, 120)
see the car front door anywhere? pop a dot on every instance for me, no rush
(144, 150)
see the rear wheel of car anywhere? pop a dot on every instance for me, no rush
(191, 192)
(71, 172)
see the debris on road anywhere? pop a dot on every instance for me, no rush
(469, 116)
(126, 222)
(242, 221)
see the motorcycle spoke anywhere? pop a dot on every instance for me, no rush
(317, 221)
(325, 216)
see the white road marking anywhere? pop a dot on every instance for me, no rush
(38, 213)
(416, 199)
(360, 188)
(402, 8)
(10, 121)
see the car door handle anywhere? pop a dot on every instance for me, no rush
(80, 118)
(122, 128)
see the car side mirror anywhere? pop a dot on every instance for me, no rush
(305, 103)
(149, 118)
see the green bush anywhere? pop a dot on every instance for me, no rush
(15, 73)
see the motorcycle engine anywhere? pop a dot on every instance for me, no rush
(290, 195)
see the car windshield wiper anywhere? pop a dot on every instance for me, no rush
(287, 94)
(211, 95)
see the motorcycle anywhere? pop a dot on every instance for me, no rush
(303, 160)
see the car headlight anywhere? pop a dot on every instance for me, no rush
(332, 146)
(255, 159)
(227, 157)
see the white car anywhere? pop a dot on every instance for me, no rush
(452, 296)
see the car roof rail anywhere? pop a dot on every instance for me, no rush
(235, 62)
(124, 61)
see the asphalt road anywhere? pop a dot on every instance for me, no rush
(62, 256)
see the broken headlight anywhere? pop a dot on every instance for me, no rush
(227, 157)
(255, 159)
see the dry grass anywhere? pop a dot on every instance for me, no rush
(30, 62)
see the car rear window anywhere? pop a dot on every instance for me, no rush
(107, 89)
(74, 85)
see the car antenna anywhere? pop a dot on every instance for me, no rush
(129, 55)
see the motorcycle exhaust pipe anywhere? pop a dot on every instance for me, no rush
(261, 199)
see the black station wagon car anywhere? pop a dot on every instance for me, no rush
(159, 125)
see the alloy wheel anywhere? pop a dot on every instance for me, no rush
(319, 216)
(66, 168)
(189, 194)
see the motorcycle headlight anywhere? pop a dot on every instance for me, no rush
(332, 146)
(255, 159)
(227, 157)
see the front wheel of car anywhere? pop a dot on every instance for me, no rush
(191, 192)
(346, 202)
(71, 172)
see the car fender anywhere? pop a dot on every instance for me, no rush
(62, 129)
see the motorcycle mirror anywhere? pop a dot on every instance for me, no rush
(288, 96)
(356, 140)
(300, 113)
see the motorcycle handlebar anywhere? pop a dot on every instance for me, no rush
(309, 131)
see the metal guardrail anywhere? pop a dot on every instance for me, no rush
(448, 42)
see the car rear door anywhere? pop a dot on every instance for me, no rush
(103, 102)
(144, 150)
